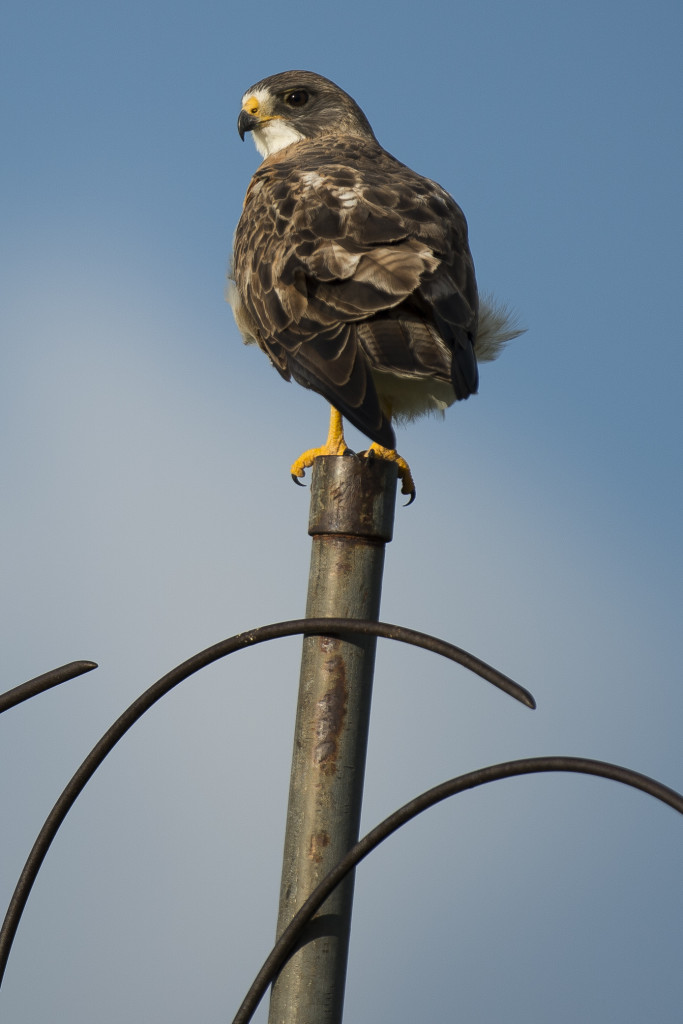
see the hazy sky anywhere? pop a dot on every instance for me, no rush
(148, 512)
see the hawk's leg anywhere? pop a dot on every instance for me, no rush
(335, 445)
(389, 455)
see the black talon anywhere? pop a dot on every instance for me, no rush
(297, 481)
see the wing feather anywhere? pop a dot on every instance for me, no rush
(347, 263)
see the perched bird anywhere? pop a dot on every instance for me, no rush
(352, 272)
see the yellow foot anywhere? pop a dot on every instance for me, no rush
(306, 459)
(376, 451)
(335, 445)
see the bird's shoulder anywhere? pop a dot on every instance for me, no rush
(335, 232)
(351, 188)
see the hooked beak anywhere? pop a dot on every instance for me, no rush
(246, 122)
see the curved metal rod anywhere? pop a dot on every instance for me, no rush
(325, 627)
(292, 934)
(40, 683)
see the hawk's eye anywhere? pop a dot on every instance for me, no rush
(296, 98)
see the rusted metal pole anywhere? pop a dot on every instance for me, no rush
(351, 520)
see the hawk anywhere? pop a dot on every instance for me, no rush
(352, 272)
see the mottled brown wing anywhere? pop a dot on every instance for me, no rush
(347, 261)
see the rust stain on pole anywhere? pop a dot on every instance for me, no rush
(351, 520)
(319, 842)
(330, 714)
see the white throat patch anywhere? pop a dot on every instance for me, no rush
(274, 135)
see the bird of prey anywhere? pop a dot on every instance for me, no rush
(352, 272)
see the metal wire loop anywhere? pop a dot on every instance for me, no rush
(293, 935)
(324, 627)
(39, 684)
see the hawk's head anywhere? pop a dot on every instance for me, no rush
(297, 105)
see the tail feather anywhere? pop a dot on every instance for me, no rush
(497, 325)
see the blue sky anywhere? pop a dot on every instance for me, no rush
(148, 513)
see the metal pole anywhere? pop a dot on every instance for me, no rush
(351, 520)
